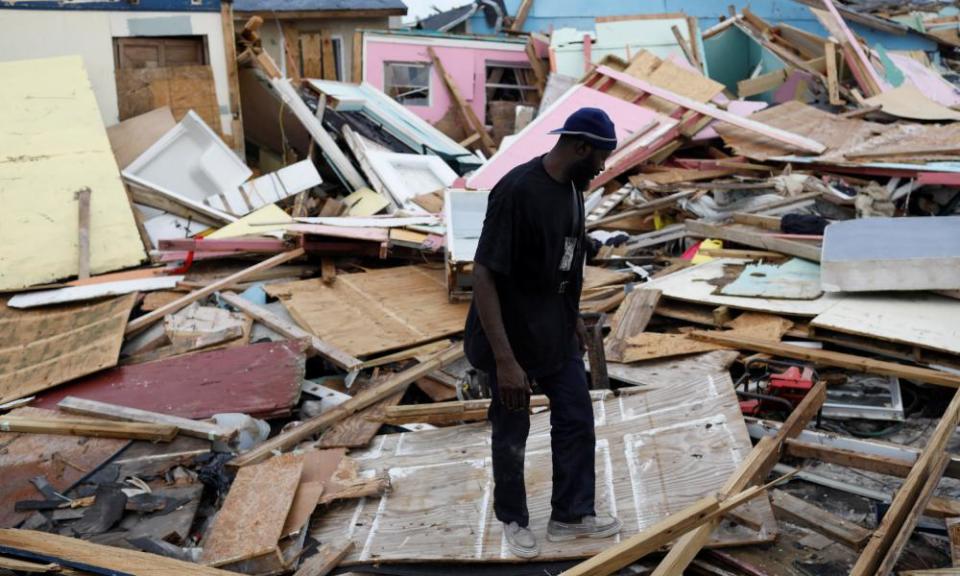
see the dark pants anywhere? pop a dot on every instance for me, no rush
(572, 442)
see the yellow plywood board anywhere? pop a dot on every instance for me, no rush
(253, 224)
(53, 143)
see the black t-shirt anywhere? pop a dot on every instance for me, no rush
(533, 241)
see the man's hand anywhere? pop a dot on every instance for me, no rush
(513, 385)
(581, 335)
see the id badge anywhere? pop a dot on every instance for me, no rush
(569, 249)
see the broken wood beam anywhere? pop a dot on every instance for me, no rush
(469, 116)
(188, 427)
(888, 539)
(790, 138)
(88, 427)
(753, 239)
(270, 320)
(447, 412)
(83, 240)
(325, 559)
(362, 400)
(146, 320)
(88, 557)
(259, 245)
(630, 320)
(752, 470)
(517, 24)
(828, 358)
(804, 514)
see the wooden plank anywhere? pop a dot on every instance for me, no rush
(833, 77)
(761, 84)
(631, 320)
(890, 536)
(318, 469)
(521, 17)
(290, 330)
(829, 358)
(312, 55)
(754, 239)
(89, 427)
(466, 111)
(447, 412)
(83, 226)
(329, 60)
(325, 559)
(81, 555)
(953, 532)
(262, 380)
(291, 50)
(147, 319)
(654, 345)
(377, 311)
(44, 347)
(357, 61)
(661, 534)
(367, 398)
(233, 78)
(850, 458)
(685, 47)
(189, 427)
(795, 140)
(875, 82)
(250, 522)
(804, 514)
(357, 430)
(539, 69)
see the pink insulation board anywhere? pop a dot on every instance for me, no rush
(466, 61)
(535, 138)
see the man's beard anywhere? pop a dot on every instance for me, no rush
(581, 174)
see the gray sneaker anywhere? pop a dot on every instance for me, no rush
(521, 541)
(588, 527)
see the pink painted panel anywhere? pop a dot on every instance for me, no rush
(927, 80)
(466, 65)
(535, 140)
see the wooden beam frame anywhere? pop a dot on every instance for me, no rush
(829, 358)
(463, 107)
(794, 140)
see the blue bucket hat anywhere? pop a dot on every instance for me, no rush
(593, 125)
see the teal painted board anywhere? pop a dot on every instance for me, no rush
(796, 279)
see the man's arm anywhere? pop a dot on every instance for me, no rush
(512, 384)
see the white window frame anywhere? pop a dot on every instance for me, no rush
(426, 65)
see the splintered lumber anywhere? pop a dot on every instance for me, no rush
(829, 358)
(466, 112)
(290, 330)
(366, 398)
(251, 520)
(630, 320)
(803, 513)
(754, 239)
(88, 427)
(753, 469)
(325, 560)
(517, 24)
(888, 539)
(147, 319)
(189, 427)
(87, 556)
(790, 138)
(447, 412)
(660, 534)
(953, 532)
(875, 83)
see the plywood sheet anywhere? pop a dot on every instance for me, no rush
(667, 372)
(262, 380)
(375, 311)
(657, 452)
(596, 276)
(928, 321)
(907, 101)
(653, 345)
(62, 460)
(698, 283)
(796, 117)
(53, 143)
(133, 136)
(48, 346)
(182, 88)
(357, 430)
(250, 522)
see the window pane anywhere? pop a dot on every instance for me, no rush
(407, 83)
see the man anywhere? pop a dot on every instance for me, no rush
(524, 326)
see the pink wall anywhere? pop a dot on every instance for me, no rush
(466, 65)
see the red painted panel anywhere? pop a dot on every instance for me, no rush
(262, 380)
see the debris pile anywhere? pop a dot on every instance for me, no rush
(212, 363)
